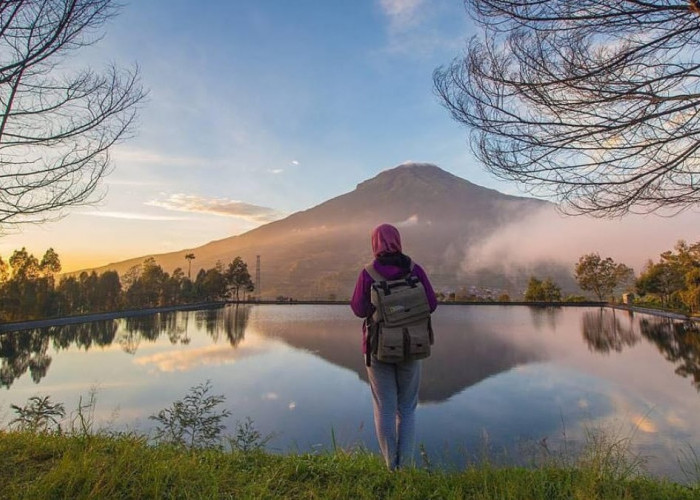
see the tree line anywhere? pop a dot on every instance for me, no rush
(671, 282)
(29, 288)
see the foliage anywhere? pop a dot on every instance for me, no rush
(674, 280)
(40, 414)
(124, 466)
(194, 421)
(28, 289)
(663, 279)
(57, 125)
(591, 101)
(247, 438)
(601, 276)
(238, 278)
(542, 291)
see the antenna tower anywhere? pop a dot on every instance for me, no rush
(257, 277)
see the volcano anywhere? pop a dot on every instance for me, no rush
(317, 253)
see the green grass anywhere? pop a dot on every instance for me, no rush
(52, 466)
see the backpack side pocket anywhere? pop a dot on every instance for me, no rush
(390, 345)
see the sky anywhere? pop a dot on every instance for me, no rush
(258, 109)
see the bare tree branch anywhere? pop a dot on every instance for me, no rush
(592, 102)
(56, 128)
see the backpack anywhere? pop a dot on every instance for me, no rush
(399, 329)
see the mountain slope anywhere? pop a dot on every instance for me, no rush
(318, 252)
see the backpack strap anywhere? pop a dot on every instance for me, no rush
(374, 274)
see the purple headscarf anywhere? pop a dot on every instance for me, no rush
(385, 239)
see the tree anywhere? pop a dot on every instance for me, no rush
(238, 278)
(50, 263)
(211, 284)
(600, 276)
(4, 271)
(592, 101)
(542, 291)
(190, 257)
(56, 128)
(663, 279)
(24, 265)
(109, 291)
(148, 290)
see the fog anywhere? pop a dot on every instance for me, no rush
(548, 235)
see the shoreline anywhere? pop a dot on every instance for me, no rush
(131, 313)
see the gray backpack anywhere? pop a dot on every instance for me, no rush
(400, 329)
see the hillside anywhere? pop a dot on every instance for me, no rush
(317, 253)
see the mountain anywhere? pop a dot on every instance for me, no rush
(317, 253)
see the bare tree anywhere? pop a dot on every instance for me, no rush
(56, 127)
(593, 102)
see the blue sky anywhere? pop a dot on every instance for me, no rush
(258, 109)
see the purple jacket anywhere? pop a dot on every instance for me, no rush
(361, 303)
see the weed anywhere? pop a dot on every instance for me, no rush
(83, 419)
(40, 414)
(689, 464)
(194, 421)
(247, 438)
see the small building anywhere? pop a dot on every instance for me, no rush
(628, 298)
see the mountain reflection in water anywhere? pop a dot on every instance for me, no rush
(512, 371)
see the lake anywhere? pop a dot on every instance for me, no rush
(508, 382)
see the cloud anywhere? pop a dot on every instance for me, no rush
(295, 163)
(134, 216)
(216, 206)
(547, 235)
(402, 14)
(182, 361)
(135, 155)
(411, 221)
(415, 30)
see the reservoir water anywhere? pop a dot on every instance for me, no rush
(513, 383)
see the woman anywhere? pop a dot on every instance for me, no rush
(394, 385)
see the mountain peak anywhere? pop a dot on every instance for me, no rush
(408, 171)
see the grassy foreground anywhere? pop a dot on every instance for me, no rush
(38, 466)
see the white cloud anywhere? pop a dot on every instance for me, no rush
(295, 163)
(411, 221)
(402, 14)
(414, 29)
(143, 156)
(186, 360)
(133, 216)
(277, 171)
(216, 206)
(547, 235)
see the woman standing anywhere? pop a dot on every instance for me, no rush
(394, 385)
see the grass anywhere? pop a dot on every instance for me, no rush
(50, 465)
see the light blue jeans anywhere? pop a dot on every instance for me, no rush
(395, 396)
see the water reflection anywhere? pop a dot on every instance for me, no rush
(229, 322)
(298, 371)
(545, 316)
(679, 342)
(28, 349)
(605, 331)
(465, 354)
